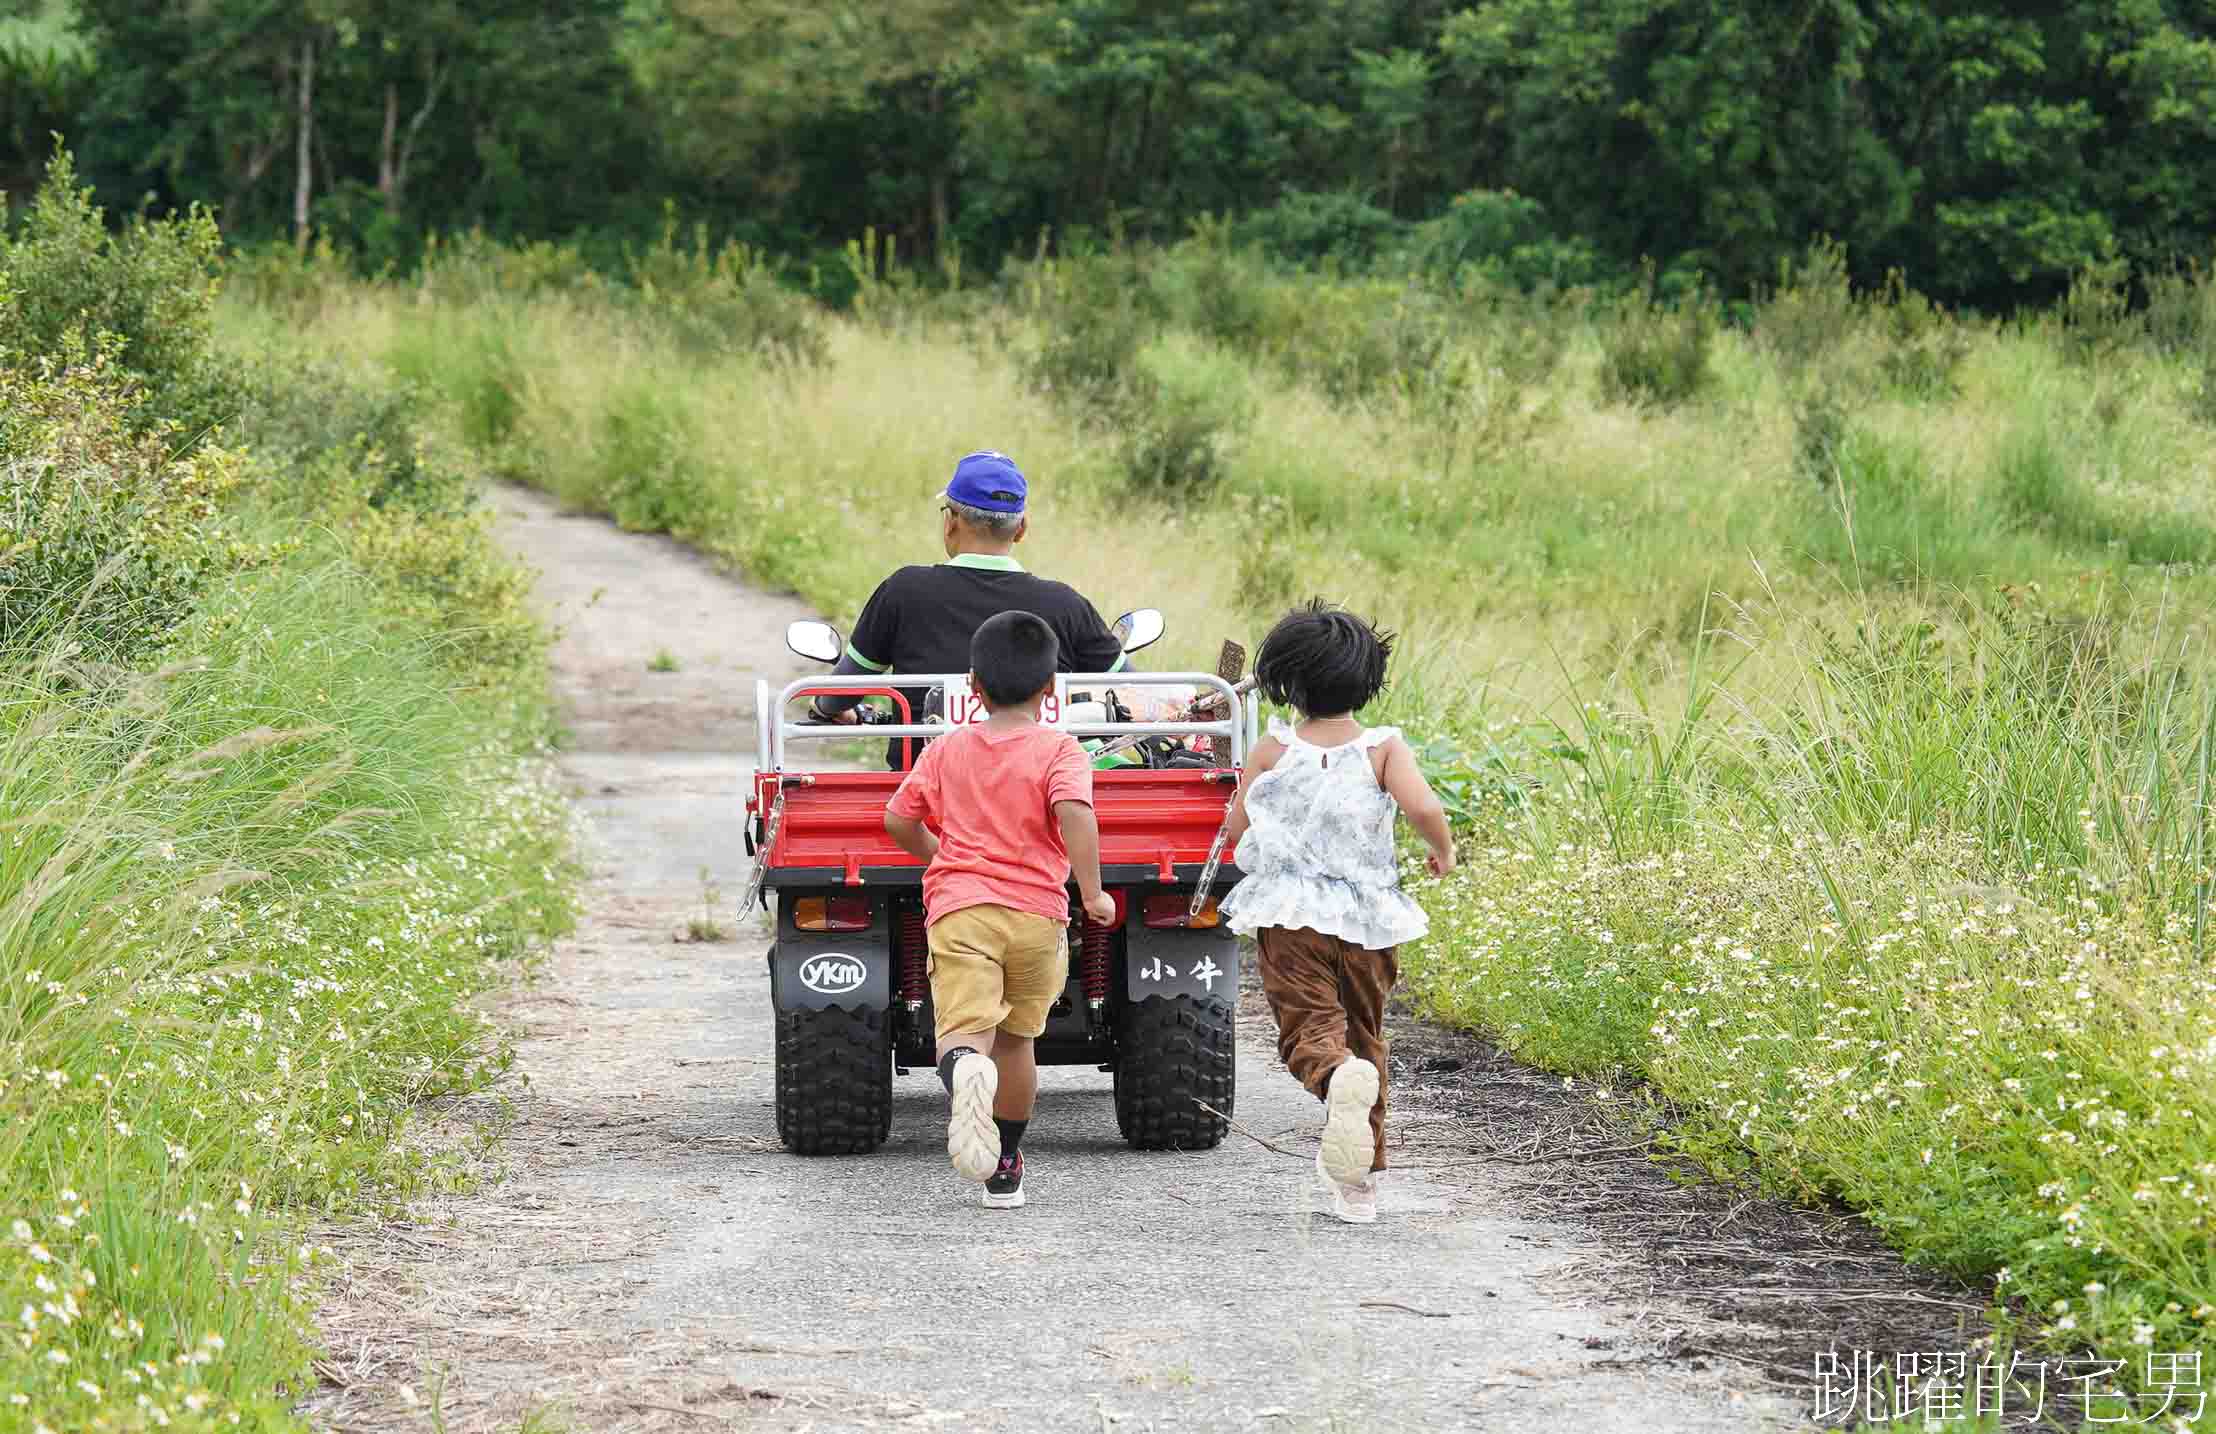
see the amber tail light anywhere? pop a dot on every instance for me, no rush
(1170, 908)
(831, 913)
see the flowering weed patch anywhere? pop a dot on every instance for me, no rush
(242, 908)
(1927, 935)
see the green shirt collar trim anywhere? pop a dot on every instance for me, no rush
(990, 562)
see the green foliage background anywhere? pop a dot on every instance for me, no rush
(1988, 150)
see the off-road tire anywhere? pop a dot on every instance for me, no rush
(1173, 1052)
(834, 1081)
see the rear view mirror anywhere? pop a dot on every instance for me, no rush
(816, 640)
(1141, 627)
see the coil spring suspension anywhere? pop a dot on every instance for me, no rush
(1093, 961)
(914, 948)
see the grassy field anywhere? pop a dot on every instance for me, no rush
(1825, 701)
(269, 821)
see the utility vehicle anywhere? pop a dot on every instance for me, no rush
(1152, 998)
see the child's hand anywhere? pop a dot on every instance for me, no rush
(1100, 908)
(1442, 862)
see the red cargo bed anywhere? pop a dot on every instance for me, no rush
(1154, 826)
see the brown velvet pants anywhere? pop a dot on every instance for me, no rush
(1329, 1000)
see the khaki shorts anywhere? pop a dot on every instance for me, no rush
(994, 969)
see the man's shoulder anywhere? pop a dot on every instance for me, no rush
(1057, 596)
(1052, 585)
(909, 577)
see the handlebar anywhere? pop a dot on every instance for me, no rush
(873, 717)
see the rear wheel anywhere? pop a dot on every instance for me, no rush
(1172, 1054)
(834, 1081)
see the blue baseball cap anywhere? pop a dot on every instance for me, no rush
(989, 481)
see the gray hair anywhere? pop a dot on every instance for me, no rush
(984, 520)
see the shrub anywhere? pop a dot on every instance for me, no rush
(1491, 395)
(1658, 354)
(1185, 403)
(2181, 322)
(337, 424)
(1270, 572)
(1225, 292)
(1357, 338)
(444, 573)
(1813, 312)
(2201, 388)
(1095, 312)
(646, 470)
(151, 286)
(1924, 345)
(723, 300)
(284, 279)
(468, 356)
(1340, 231)
(2181, 310)
(1500, 238)
(1819, 435)
(2095, 318)
(103, 524)
(470, 267)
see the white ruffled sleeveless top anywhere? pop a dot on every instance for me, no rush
(1318, 850)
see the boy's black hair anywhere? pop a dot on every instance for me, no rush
(1014, 656)
(1323, 661)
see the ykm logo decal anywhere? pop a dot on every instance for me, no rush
(832, 975)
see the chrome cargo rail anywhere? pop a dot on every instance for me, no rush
(773, 729)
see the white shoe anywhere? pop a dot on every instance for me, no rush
(1355, 1204)
(972, 1139)
(1347, 1141)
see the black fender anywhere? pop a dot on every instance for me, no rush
(817, 970)
(1202, 962)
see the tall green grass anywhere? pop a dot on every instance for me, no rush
(1480, 485)
(269, 819)
(244, 899)
(1925, 931)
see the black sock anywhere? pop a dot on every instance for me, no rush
(946, 1066)
(1011, 1135)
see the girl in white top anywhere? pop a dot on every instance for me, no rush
(1313, 833)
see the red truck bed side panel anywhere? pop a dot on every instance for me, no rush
(1146, 817)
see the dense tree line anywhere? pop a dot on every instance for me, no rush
(1988, 148)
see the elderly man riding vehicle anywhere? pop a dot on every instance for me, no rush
(921, 618)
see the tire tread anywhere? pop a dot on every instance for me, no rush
(834, 1081)
(1173, 1052)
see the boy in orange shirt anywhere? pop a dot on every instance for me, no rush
(1012, 802)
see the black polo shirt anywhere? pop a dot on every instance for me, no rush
(921, 619)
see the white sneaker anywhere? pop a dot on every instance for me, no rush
(972, 1140)
(1356, 1204)
(1347, 1142)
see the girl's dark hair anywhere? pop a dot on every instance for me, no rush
(1323, 661)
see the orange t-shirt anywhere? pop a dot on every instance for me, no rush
(989, 793)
